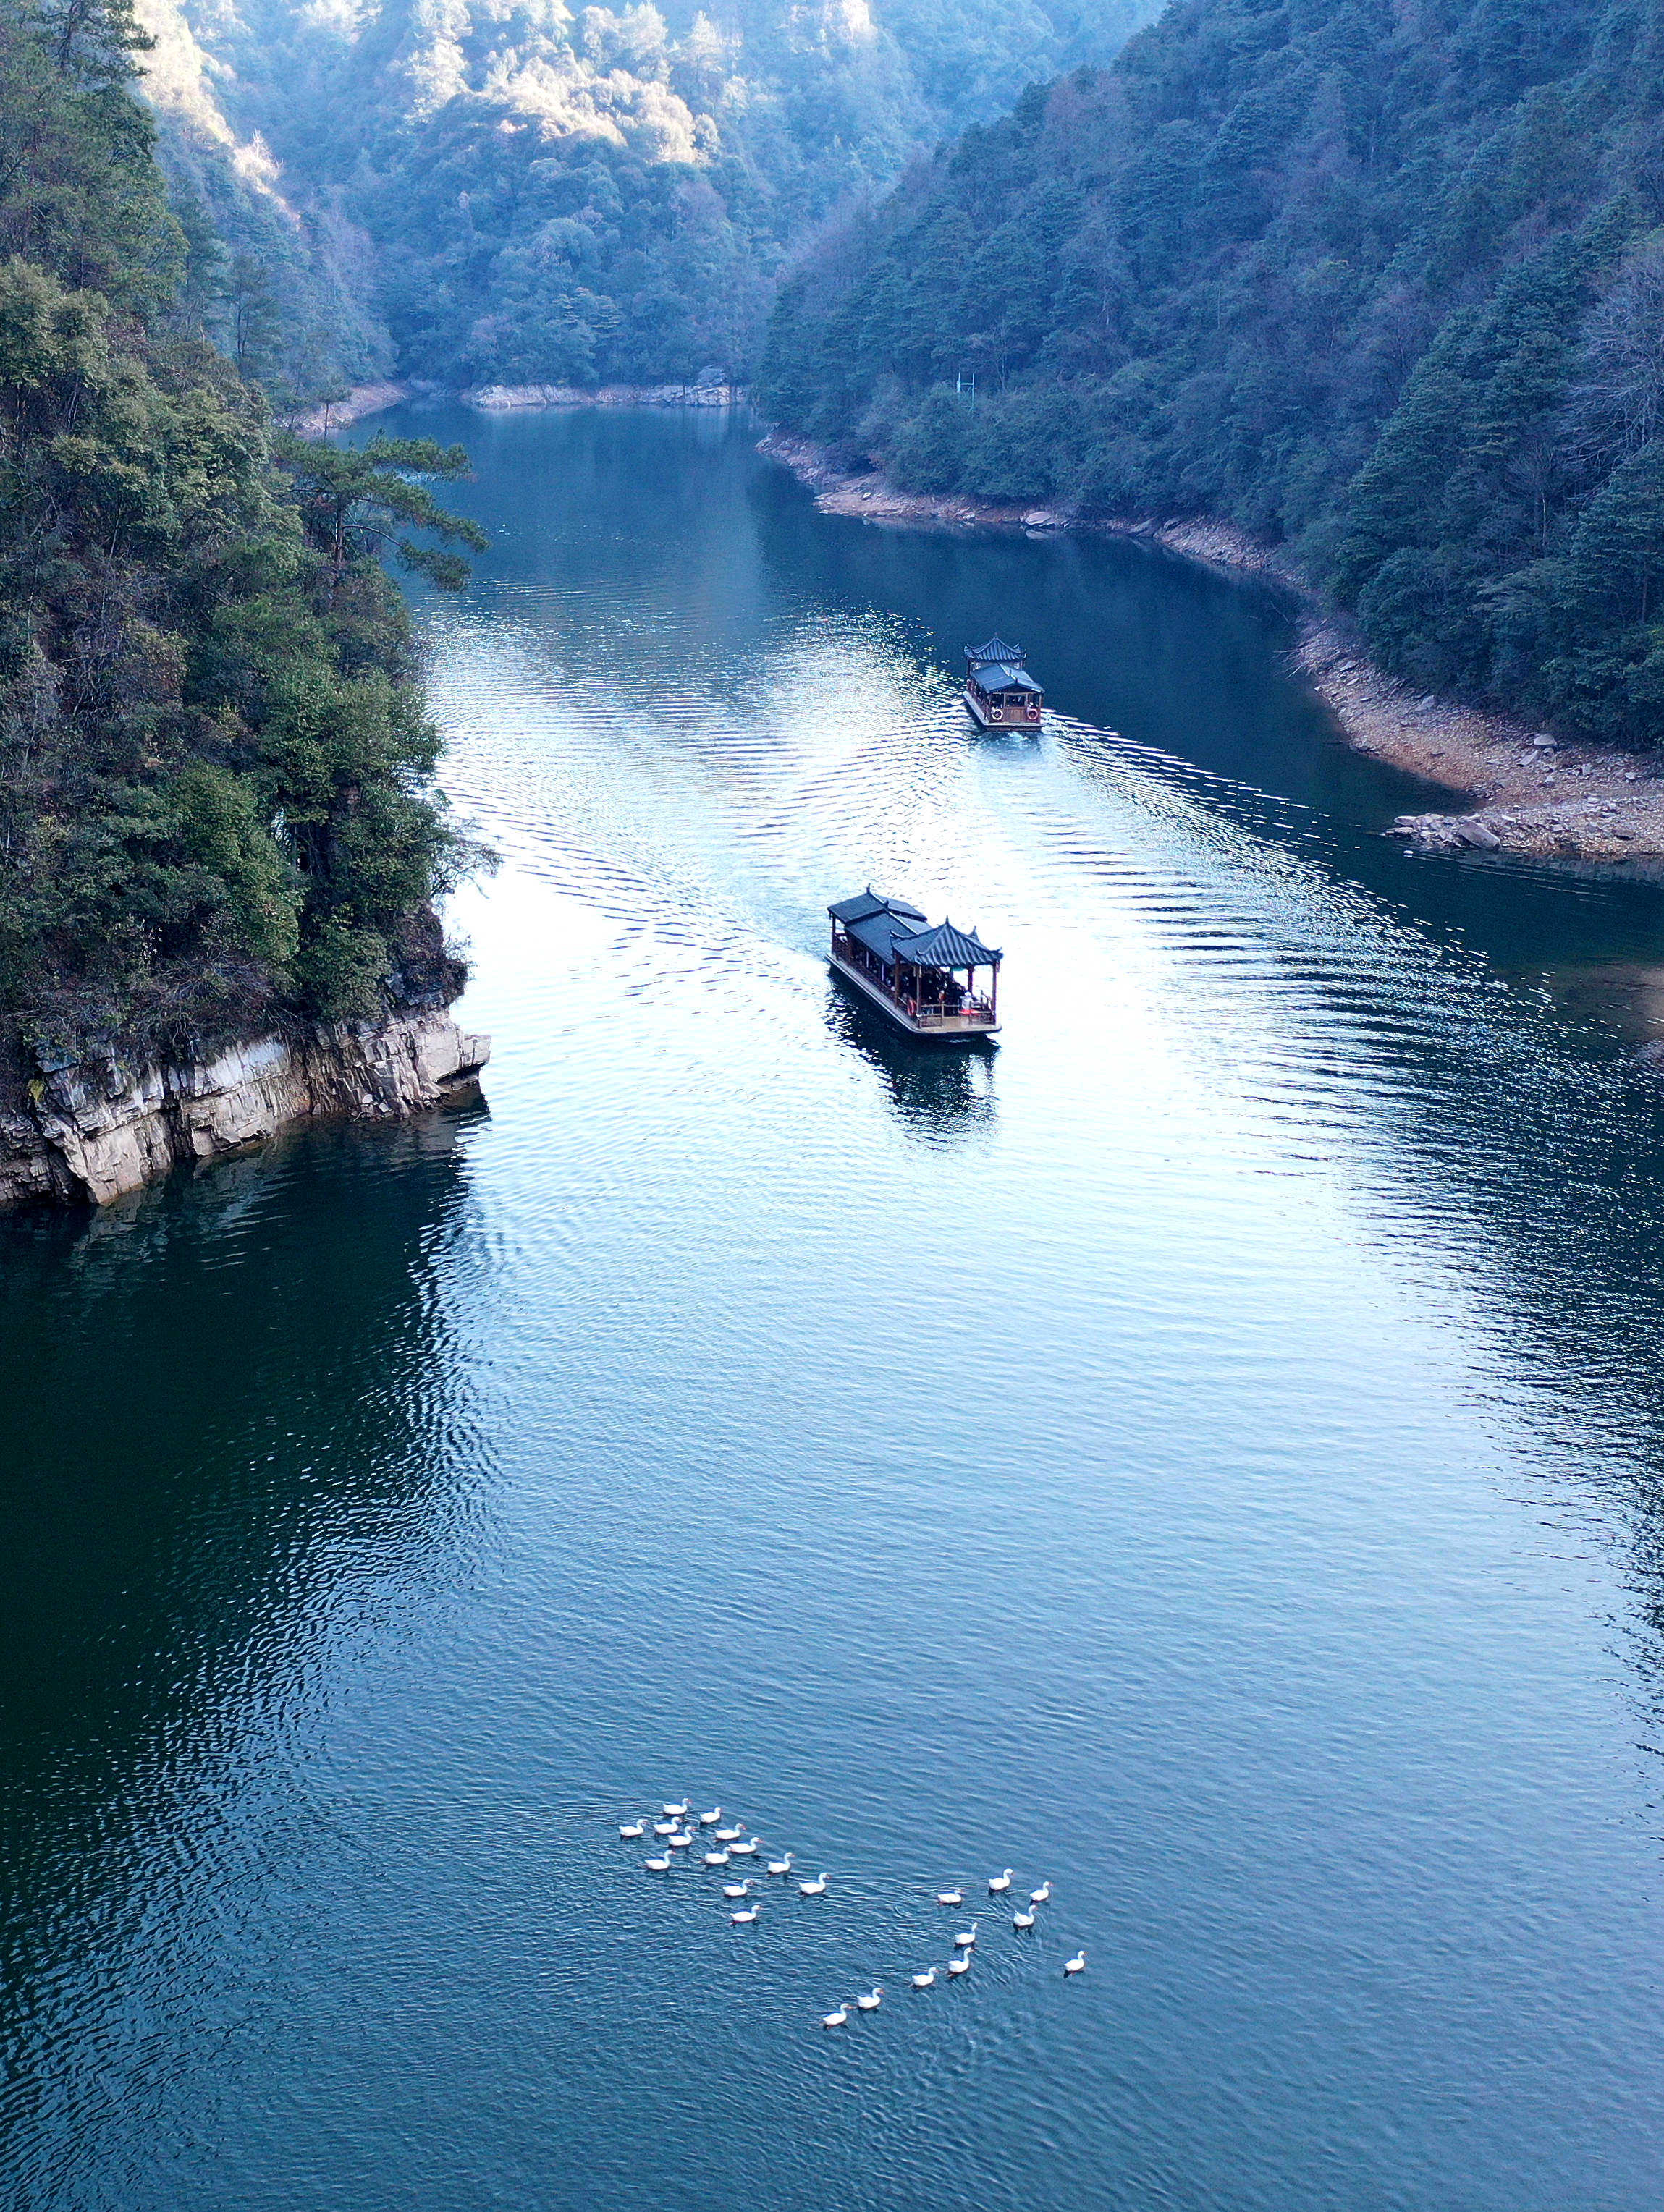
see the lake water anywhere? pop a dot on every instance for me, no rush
(1209, 1452)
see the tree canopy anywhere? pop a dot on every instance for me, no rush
(571, 196)
(1379, 283)
(216, 798)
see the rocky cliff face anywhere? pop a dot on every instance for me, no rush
(86, 1134)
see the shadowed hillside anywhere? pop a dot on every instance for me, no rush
(1382, 280)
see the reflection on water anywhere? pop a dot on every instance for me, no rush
(1209, 1454)
(224, 1460)
(940, 1092)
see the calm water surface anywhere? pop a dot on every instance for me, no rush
(1207, 1453)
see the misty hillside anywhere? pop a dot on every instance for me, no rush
(491, 193)
(1382, 280)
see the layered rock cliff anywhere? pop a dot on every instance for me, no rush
(87, 1132)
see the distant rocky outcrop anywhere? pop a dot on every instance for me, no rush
(504, 398)
(87, 1132)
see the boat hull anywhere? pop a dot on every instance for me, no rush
(949, 1029)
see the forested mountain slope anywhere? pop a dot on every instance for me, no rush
(583, 195)
(216, 805)
(1381, 279)
(284, 282)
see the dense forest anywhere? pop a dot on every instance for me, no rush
(1382, 281)
(481, 192)
(215, 801)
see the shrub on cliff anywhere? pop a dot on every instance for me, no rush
(216, 773)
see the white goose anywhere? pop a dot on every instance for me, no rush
(727, 1835)
(1076, 1964)
(872, 2002)
(927, 1981)
(661, 1865)
(736, 1890)
(999, 1883)
(965, 1939)
(633, 1830)
(677, 1812)
(744, 1917)
(1023, 1920)
(746, 1851)
(815, 1888)
(664, 1827)
(780, 1866)
(836, 2019)
(950, 1897)
(680, 1841)
(710, 1819)
(1042, 1895)
(716, 1858)
(962, 1965)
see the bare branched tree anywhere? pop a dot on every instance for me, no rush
(1617, 403)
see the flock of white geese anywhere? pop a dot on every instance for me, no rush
(675, 1832)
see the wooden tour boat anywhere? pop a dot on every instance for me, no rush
(999, 690)
(890, 952)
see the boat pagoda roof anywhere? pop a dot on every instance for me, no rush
(998, 666)
(944, 946)
(870, 902)
(890, 929)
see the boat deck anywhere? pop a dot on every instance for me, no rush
(941, 1028)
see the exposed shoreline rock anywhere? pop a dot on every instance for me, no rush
(504, 398)
(1529, 793)
(88, 1133)
(336, 414)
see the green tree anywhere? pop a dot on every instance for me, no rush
(354, 500)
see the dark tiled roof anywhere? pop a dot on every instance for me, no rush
(996, 649)
(1004, 676)
(944, 946)
(868, 902)
(890, 929)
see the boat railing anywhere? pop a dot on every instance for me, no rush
(973, 1013)
(980, 1013)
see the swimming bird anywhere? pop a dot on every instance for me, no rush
(727, 1835)
(715, 1858)
(633, 1830)
(816, 1888)
(746, 1850)
(780, 1866)
(680, 1841)
(736, 1889)
(710, 1819)
(966, 1937)
(999, 1883)
(1076, 1964)
(950, 1897)
(1023, 1920)
(659, 1865)
(925, 1981)
(744, 1919)
(676, 1812)
(836, 2019)
(1042, 1895)
(962, 1965)
(664, 1827)
(871, 2003)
